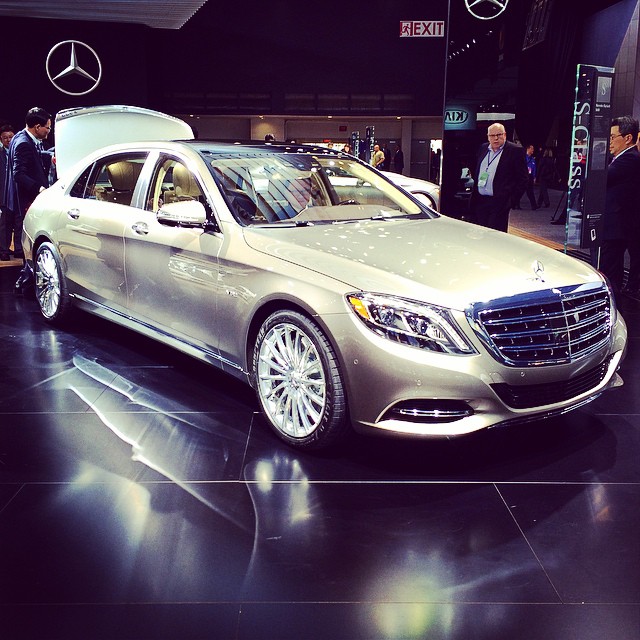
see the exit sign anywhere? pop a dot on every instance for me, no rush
(422, 29)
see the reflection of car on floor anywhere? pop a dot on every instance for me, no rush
(305, 273)
(425, 191)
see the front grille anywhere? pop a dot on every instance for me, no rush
(548, 327)
(539, 395)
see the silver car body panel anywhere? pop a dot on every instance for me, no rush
(441, 260)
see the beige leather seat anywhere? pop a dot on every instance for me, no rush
(186, 187)
(123, 176)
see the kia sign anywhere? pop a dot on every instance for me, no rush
(459, 119)
(486, 9)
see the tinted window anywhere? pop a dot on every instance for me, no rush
(79, 188)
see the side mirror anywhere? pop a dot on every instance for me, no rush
(188, 213)
(424, 199)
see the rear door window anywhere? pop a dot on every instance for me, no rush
(111, 179)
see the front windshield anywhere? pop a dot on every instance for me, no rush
(304, 188)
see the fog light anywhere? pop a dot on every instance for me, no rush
(429, 411)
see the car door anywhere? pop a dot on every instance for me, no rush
(171, 270)
(99, 208)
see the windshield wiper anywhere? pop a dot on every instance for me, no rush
(291, 222)
(397, 216)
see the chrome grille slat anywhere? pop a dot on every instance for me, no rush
(546, 320)
(524, 319)
(549, 327)
(590, 334)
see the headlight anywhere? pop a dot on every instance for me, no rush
(415, 324)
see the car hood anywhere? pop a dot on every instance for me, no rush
(443, 261)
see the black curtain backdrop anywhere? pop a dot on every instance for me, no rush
(546, 88)
(589, 33)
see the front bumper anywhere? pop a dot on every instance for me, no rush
(457, 395)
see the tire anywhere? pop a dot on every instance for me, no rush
(298, 382)
(51, 286)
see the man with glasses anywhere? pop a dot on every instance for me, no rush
(621, 219)
(27, 176)
(501, 174)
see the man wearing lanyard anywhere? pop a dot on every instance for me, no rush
(621, 220)
(501, 174)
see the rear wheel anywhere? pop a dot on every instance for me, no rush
(298, 382)
(51, 287)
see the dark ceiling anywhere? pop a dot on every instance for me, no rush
(156, 14)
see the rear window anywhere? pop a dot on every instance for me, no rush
(111, 179)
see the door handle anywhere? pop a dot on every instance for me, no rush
(74, 214)
(140, 228)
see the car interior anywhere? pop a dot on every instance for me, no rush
(117, 181)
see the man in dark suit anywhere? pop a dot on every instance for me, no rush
(501, 173)
(398, 160)
(6, 215)
(621, 220)
(27, 175)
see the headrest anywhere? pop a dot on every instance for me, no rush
(184, 182)
(123, 175)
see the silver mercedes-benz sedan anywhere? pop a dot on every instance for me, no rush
(340, 298)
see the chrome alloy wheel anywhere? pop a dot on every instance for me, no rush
(291, 380)
(47, 279)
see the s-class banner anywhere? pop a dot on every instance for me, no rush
(589, 155)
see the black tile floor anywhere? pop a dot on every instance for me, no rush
(141, 496)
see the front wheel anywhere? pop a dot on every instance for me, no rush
(51, 287)
(298, 382)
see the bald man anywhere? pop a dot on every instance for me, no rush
(501, 173)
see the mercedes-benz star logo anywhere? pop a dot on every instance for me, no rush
(538, 270)
(486, 9)
(80, 72)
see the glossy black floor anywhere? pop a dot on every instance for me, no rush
(141, 496)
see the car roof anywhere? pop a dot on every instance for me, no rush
(250, 147)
